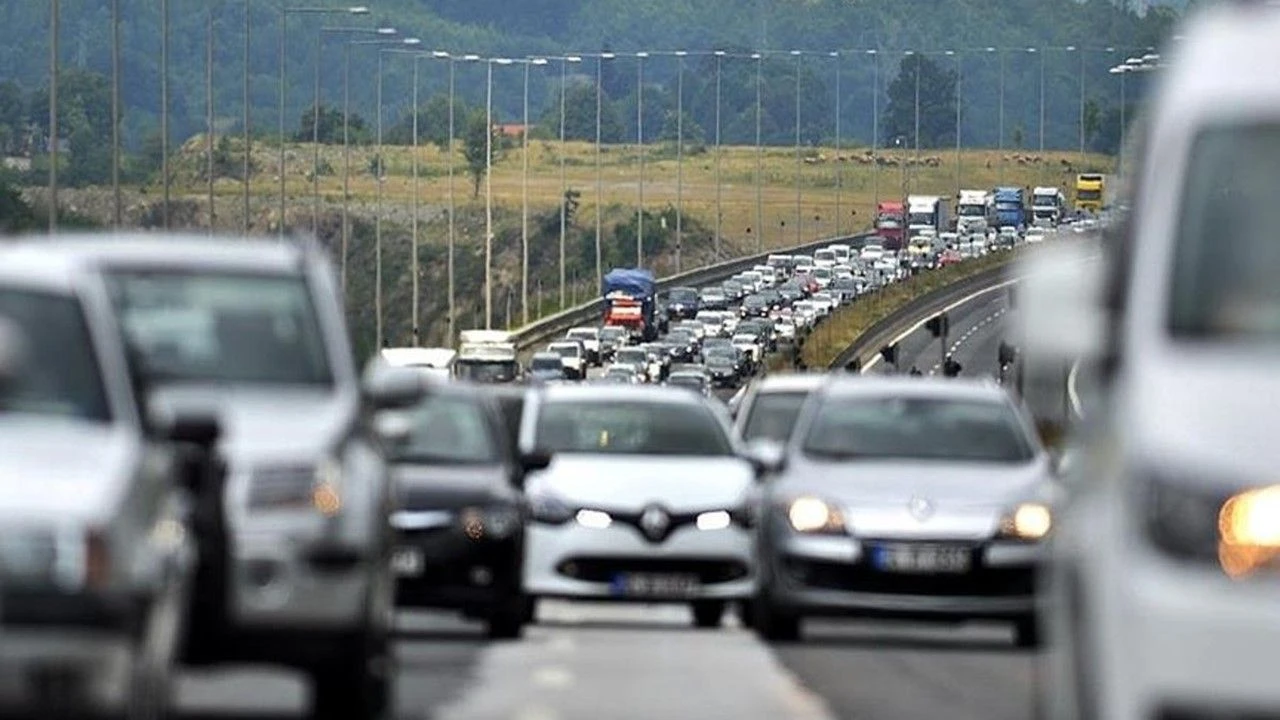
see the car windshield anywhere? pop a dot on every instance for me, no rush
(1223, 286)
(448, 430)
(488, 372)
(546, 362)
(630, 427)
(864, 428)
(637, 356)
(773, 415)
(584, 333)
(683, 295)
(60, 375)
(566, 350)
(612, 333)
(688, 380)
(222, 327)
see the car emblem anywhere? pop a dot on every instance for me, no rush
(654, 521)
(920, 508)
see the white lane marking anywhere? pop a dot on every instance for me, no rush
(562, 643)
(535, 712)
(553, 676)
(962, 301)
(1073, 393)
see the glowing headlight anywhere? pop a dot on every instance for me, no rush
(494, 523)
(594, 519)
(1249, 531)
(714, 520)
(1028, 521)
(812, 515)
(325, 495)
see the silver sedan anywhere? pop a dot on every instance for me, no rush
(910, 498)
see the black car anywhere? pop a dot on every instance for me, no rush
(460, 520)
(693, 380)
(686, 343)
(683, 303)
(612, 337)
(755, 306)
(546, 367)
(724, 366)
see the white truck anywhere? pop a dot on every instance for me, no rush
(487, 356)
(1047, 206)
(434, 362)
(973, 207)
(924, 212)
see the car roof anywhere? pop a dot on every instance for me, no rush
(156, 249)
(790, 382)
(594, 393)
(855, 385)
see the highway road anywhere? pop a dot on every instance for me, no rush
(643, 662)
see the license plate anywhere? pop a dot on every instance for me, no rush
(651, 585)
(910, 558)
(407, 562)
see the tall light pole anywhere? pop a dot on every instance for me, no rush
(208, 109)
(284, 36)
(377, 217)
(875, 126)
(720, 197)
(917, 119)
(839, 170)
(248, 146)
(799, 219)
(1000, 58)
(680, 55)
(958, 96)
(524, 196)
(164, 109)
(1121, 70)
(640, 56)
(759, 58)
(600, 58)
(117, 213)
(453, 307)
(1033, 51)
(488, 190)
(53, 116)
(564, 184)
(1080, 120)
(315, 112)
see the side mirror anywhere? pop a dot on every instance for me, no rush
(1060, 316)
(532, 461)
(387, 387)
(189, 423)
(767, 457)
(392, 427)
(13, 356)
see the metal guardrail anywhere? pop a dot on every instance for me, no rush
(553, 326)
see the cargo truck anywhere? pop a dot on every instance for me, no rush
(1010, 207)
(630, 297)
(891, 224)
(973, 207)
(924, 212)
(1090, 190)
(487, 356)
(1048, 204)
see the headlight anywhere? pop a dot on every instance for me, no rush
(813, 515)
(594, 519)
(714, 520)
(318, 487)
(72, 558)
(494, 523)
(1249, 531)
(550, 510)
(1181, 520)
(1028, 521)
(326, 497)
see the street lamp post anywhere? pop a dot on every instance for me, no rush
(957, 96)
(1042, 53)
(117, 204)
(164, 110)
(524, 199)
(1121, 70)
(917, 118)
(839, 165)
(53, 116)
(600, 58)
(799, 220)
(680, 55)
(759, 58)
(719, 191)
(377, 218)
(1080, 120)
(315, 113)
(208, 109)
(284, 35)
(248, 147)
(488, 190)
(564, 188)
(1000, 58)
(640, 56)
(875, 125)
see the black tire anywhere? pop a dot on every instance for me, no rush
(530, 610)
(772, 624)
(357, 685)
(708, 614)
(507, 618)
(1026, 633)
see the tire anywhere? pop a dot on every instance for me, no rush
(772, 624)
(1026, 633)
(708, 614)
(507, 618)
(530, 610)
(358, 684)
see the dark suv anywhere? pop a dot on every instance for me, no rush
(683, 302)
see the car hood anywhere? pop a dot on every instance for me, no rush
(878, 497)
(630, 482)
(63, 470)
(272, 424)
(451, 487)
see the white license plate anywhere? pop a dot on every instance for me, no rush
(910, 558)
(655, 585)
(407, 562)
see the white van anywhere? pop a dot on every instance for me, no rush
(435, 362)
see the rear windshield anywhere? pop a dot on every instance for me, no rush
(773, 415)
(630, 427)
(1226, 260)
(60, 374)
(449, 430)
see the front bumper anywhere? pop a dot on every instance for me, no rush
(826, 575)
(572, 561)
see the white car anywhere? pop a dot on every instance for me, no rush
(637, 357)
(824, 258)
(435, 363)
(871, 253)
(573, 355)
(590, 337)
(1164, 576)
(645, 499)
(768, 275)
(1035, 235)
(823, 275)
(749, 344)
(712, 322)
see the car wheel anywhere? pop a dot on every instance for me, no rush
(358, 684)
(508, 617)
(772, 624)
(708, 613)
(530, 610)
(1026, 633)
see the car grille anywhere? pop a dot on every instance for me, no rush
(1178, 712)
(281, 485)
(861, 577)
(597, 569)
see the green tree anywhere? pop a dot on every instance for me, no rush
(1092, 121)
(937, 98)
(433, 122)
(481, 147)
(329, 130)
(671, 129)
(580, 115)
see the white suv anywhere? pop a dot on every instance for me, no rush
(1164, 588)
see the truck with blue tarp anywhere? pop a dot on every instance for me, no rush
(1010, 207)
(630, 300)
